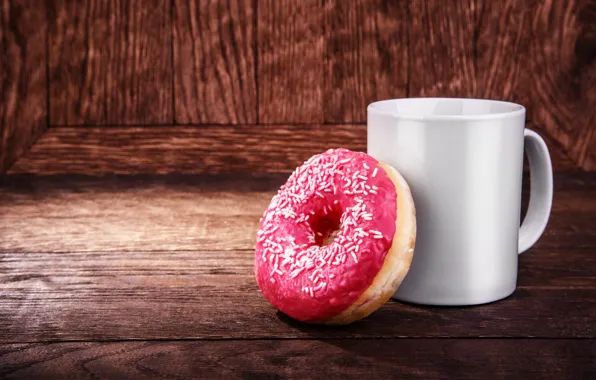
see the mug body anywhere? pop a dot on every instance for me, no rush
(463, 160)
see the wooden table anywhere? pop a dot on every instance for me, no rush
(152, 277)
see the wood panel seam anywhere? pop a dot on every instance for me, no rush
(172, 64)
(199, 125)
(173, 148)
(22, 81)
(256, 58)
(47, 64)
(408, 46)
(24, 154)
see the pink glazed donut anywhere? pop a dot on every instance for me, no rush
(337, 239)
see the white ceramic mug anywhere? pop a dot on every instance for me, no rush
(463, 160)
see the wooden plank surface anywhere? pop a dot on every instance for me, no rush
(127, 214)
(366, 56)
(156, 257)
(110, 62)
(204, 294)
(290, 45)
(387, 358)
(194, 150)
(192, 213)
(23, 96)
(90, 224)
(190, 150)
(214, 61)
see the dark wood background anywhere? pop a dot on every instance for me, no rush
(160, 86)
(148, 273)
(151, 276)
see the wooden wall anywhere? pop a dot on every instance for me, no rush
(161, 86)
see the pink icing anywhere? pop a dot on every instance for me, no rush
(338, 189)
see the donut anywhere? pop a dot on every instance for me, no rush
(337, 239)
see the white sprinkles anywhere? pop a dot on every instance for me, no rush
(311, 181)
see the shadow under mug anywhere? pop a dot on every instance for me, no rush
(463, 160)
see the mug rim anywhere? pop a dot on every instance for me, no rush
(374, 107)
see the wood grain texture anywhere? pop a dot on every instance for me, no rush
(564, 65)
(559, 156)
(573, 77)
(110, 62)
(89, 214)
(23, 96)
(193, 295)
(543, 55)
(170, 257)
(266, 359)
(590, 161)
(214, 61)
(290, 43)
(194, 150)
(500, 42)
(366, 56)
(441, 49)
(132, 213)
(204, 149)
(213, 294)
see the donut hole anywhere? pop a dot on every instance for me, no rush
(325, 227)
(331, 237)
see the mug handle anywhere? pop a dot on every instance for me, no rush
(541, 190)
